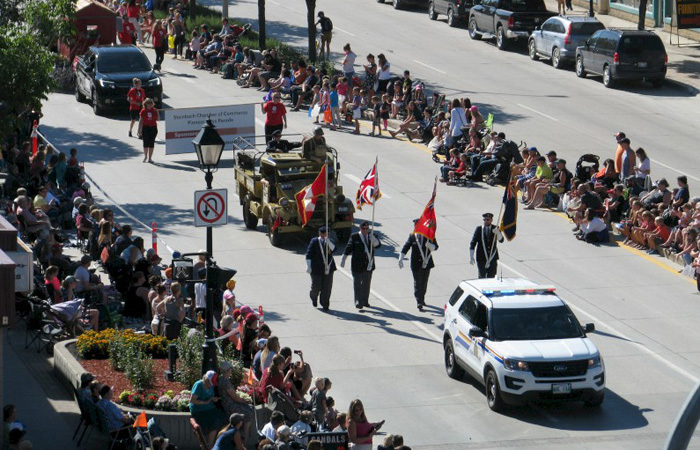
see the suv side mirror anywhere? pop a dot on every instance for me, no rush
(589, 327)
(476, 332)
(588, 43)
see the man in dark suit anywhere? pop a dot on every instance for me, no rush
(320, 265)
(485, 247)
(421, 263)
(361, 246)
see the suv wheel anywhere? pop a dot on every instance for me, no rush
(451, 21)
(397, 4)
(532, 50)
(580, 71)
(451, 367)
(275, 237)
(501, 40)
(657, 82)
(493, 392)
(250, 219)
(431, 11)
(473, 30)
(556, 58)
(96, 108)
(608, 80)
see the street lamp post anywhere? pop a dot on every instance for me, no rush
(209, 147)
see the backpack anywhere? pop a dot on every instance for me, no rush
(326, 25)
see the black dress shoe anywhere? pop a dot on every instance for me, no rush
(358, 306)
(314, 302)
(325, 308)
(367, 305)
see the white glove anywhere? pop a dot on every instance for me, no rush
(342, 261)
(430, 246)
(331, 245)
(471, 257)
(374, 240)
(499, 235)
(308, 266)
(401, 256)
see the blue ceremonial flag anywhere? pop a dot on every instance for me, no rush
(509, 219)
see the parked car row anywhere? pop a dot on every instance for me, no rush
(567, 41)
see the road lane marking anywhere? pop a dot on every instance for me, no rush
(429, 67)
(674, 169)
(434, 336)
(537, 112)
(344, 31)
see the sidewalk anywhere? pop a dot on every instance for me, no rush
(44, 405)
(683, 61)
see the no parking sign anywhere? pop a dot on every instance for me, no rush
(210, 208)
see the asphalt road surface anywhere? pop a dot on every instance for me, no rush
(390, 356)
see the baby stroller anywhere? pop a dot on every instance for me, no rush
(587, 166)
(507, 152)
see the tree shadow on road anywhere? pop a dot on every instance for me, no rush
(92, 146)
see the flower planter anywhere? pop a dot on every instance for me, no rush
(176, 425)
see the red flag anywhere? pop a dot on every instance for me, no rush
(368, 193)
(306, 198)
(276, 225)
(427, 224)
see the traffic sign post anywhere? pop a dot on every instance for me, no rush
(210, 208)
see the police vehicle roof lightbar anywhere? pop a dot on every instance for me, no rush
(526, 291)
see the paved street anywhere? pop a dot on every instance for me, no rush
(390, 356)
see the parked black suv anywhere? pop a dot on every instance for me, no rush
(457, 11)
(623, 55)
(401, 4)
(104, 74)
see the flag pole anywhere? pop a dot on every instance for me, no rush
(498, 221)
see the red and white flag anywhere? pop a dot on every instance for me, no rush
(306, 198)
(368, 193)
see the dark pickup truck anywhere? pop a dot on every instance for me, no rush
(506, 19)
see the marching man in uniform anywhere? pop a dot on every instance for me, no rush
(320, 265)
(421, 262)
(361, 246)
(485, 247)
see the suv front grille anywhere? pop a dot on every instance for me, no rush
(559, 369)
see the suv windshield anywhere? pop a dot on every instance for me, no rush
(123, 62)
(530, 324)
(586, 28)
(638, 44)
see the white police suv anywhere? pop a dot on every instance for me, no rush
(522, 342)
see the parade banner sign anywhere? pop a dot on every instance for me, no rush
(688, 14)
(231, 121)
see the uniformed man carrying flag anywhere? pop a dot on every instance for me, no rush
(421, 262)
(320, 265)
(484, 245)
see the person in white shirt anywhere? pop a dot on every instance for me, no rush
(458, 119)
(302, 426)
(349, 65)
(270, 428)
(591, 226)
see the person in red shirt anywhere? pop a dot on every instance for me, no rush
(276, 116)
(160, 43)
(657, 236)
(135, 96)
(133, 12)
(125, 37)
(148, 128)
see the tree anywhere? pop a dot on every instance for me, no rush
(311, 24)
(261, 24)
(51, 20)
(25, 72)
(642, 14)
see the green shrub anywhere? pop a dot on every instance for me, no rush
(139, 369)
(189, 351)
(118, 353)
